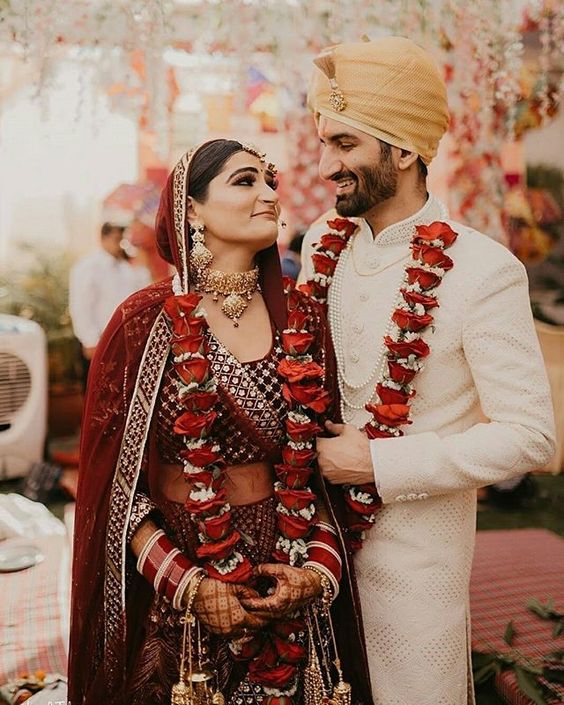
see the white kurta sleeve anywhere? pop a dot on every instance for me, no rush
(82, 305)
(502, 350)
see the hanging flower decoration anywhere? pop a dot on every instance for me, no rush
(406, 349)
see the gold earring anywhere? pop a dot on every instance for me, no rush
(200, 256)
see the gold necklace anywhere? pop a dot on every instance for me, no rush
(237, 288)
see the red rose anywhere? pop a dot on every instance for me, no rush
(300, 432)
(284, 628)
(183, 305)
(310, 395)
(187, 344)
(295, 499)
(277, 677)
(333, 243)
(241, 574)
(417, 347)
(296, 370)
(289, 652)
(195, 370)
(356, 522)
(217, 550)
(293, 477)
(427, 280)
(399, 373)
(292, 527)
(437, 231)
(392, 396)
(199, 401)
(323, 264)
(268, 657)
(407, 320)
(297, 319)
(414, 297)
(200, 457)
(289, 284)
(194, 424)
(433, 256)
(343, 226)
(299, 458)
(205, 477)
(293, 300)
(359, 507)
(390, 414)
(215, 528)
(296, 343)
(208, 508)
(280, 557)
(314, 289)
(373, 432)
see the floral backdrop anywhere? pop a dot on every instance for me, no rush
(502, 60)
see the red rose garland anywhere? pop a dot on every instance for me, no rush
(219, 542)
(405, 351)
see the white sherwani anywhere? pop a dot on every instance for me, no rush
(413, 571)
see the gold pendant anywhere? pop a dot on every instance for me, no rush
(233, 307)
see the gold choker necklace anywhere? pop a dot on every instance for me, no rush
(237, 288)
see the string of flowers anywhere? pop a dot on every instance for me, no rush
(405, 347)
(274, 655)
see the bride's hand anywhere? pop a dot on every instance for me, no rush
(218, 606)
(295, 588)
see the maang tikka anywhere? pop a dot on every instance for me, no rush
(200, 256)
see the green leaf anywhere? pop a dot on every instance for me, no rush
(528, 685)
(533, 605)
(509, 633)
(558, 628)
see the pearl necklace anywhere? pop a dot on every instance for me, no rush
(334, 309)
(334, 299)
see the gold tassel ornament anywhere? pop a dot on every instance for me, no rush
(326, 62)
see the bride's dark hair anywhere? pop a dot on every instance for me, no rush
(207, 164)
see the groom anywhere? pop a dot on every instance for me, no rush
(433, 331)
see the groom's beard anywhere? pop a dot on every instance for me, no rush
(373, 185)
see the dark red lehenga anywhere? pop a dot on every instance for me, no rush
(256, 388)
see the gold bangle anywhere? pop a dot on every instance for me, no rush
(325, 584)
(193, 590)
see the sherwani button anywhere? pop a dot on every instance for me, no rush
(364, 296)
(355, 357)
(423, 495)
(358, 327)
(411, 497)
(401, 498)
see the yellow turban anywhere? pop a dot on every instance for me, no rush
(390, 89)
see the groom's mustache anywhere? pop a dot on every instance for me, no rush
(343, 175)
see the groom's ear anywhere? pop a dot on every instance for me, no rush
(406, 159)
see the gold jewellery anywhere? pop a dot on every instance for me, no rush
(237, 288)
(195, 684)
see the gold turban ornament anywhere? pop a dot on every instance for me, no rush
(390, 89)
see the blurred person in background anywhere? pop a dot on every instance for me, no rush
(98, 283)
(291, 260)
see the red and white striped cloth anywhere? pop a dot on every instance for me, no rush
(510, 568)
(34, 608)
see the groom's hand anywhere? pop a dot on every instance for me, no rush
(345, 459)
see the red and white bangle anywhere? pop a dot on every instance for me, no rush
(323, 555)
(166, 568)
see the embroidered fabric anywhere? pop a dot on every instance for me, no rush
(157, 667)
(142, 507)
(253, 387)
